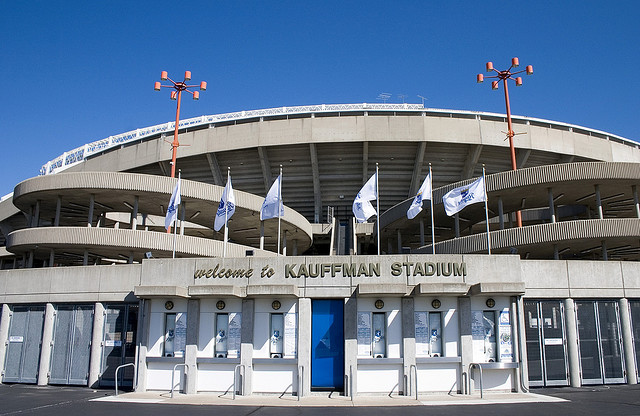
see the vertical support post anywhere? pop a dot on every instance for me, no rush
(351, 344)
(246, 344)
(47, 341)
(304, 345)
(552, 211)
(636, 203)
(191, 349)
(522, 343)
(456, 219)
(599, 203)
(4, 333)
(36, 215)
(627, 340)
(56, 220)
(501, 212)
(261, 235)
(399, 241)
(572, 342)
(92, 202)
(96, 345)
(144, 321)
(134, 213)
(466, 341)
(422, 233)
(408, 343)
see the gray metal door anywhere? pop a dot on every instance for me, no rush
(23, 351)
(546, 343)
(634, 309)
(71, 345)
(119, 344)
(600, 343)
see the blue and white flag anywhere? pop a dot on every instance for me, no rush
(362, 208)
(227, 206)
(271, 201)
(172, 209)
(458, 198)
(424, 193)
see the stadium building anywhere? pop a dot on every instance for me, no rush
(89, 282)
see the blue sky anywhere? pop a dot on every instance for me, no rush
(77, 71)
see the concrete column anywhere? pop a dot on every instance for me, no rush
(284, 243)
(261, 235)
(30, 259)
(519, 344)
(45, 348)
(52, 257)
(85, 258)
(466, 342)
(605, 256)
(92, 203)
(351, 345)
(501, 212)
(96, 345)
(304, 345)
(36, 215)
(627, 340)
(246, 345)
(599, 203)
(636, 203)
(191, 349)
(142, 337)
(182, 214)
(56, 220)
(572, 342)
(457, 224)
(408, 344)
(134, 213)
(422, 233)
(294, 250)
(4, 333)
(552, 211)
(389, 246)
(399, 241)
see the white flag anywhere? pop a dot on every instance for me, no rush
(458, 198)
(172, 209)
(423, 193)
(271, 201)
(362, 208)
(227, 205)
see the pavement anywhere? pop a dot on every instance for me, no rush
(328, 399)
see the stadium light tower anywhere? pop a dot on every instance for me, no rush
(177, 95)
(504, 76)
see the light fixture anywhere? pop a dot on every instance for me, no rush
(168, 305)
(435, 304)
(276, 305)
(490, 303)
(379, 304)
(220, 305)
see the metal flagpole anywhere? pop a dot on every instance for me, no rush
(433, 231)
(377, 209)
(175, 228)
(279, 199)
(486, 209)
(226, 212)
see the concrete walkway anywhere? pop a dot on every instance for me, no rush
(329, 400)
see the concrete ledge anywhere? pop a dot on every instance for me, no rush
(516, 288)
(222, 290)
(458, 289)
(380, 361)
(160, 291)
(438, 360)
(203, 360)
(379, 289)
(273, 290)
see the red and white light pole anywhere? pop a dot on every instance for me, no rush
(504, 76)
(177, 95)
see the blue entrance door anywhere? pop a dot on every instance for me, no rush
(327, 343)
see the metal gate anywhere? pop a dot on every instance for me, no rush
(71, 345)
(546, 343)
(119, 344)
(327, 344)
(23, 351)
(600, 343)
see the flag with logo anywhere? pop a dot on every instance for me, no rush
(227, 206)
(272, 201)
(172, 209)
(424, 193)
(457, 199)
(362, 208)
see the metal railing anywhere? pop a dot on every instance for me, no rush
(415, 379)
(116, 375)
(173, 373)
(471, 367)
(235, 379)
